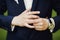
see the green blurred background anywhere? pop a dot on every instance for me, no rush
(56, 35)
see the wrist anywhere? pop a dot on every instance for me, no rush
(14, 21)
(52, 24)
(13, 24)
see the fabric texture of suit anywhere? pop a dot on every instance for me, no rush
(44, 6)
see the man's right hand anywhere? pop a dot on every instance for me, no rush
(25, 18)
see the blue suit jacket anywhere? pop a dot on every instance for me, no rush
(14, 9)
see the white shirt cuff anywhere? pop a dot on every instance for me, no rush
(12, 27)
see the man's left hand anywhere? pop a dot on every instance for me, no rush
(42, 24)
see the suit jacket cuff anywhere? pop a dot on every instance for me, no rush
(5, 22)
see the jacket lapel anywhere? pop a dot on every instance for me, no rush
(22, 5)
(34, 5)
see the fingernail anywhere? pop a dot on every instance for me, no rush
(38, 11)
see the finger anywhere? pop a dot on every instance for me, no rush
(30, 21)
(38, 24)
(40, 28)
(33, 16)
(39, 20)
(34, 12)
(29, 26)
(27, 10)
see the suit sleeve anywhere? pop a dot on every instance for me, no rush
(5, 21)
(56, 7)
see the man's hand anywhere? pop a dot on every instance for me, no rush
(41, 25)
(25, 18)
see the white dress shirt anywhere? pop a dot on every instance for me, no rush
(28, 4)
